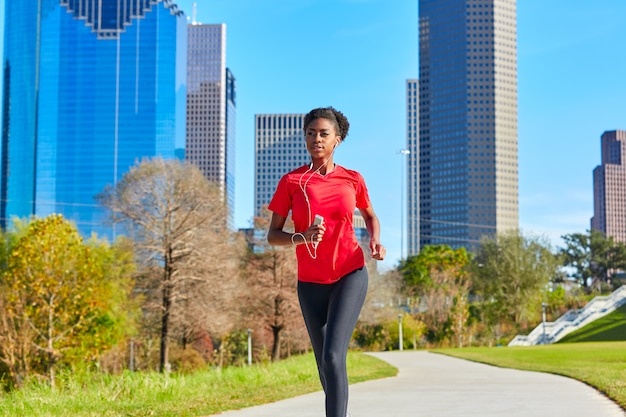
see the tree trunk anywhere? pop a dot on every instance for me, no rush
(165, 320)
(276, 346)
(50, 345)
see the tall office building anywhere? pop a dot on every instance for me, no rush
(89, 89)
(468, 120)
(411, 153)
(279, 147)
(609, 187)
(210, 143)
(231, 137)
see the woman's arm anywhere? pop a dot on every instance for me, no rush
(373, 228)
(276, 236)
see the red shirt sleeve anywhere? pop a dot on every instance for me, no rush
(281, 201)
(362, 196)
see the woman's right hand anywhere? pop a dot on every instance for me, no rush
(315, 233)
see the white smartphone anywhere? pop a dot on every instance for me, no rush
(318, 220)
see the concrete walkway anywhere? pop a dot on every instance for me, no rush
(433, 385)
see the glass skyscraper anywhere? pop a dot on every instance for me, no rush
(468, 186)
(90, 88)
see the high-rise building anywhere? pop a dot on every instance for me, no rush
(210, 143)
(412, 168)
(468, 120)
(231, 137)
(279, 147)
(89, 89)
(609, 187)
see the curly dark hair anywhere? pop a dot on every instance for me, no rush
(329, 113)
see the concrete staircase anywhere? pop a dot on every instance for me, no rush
(551, 332)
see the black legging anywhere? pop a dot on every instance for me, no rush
(330, 312)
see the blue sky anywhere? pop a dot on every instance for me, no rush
(356, 55)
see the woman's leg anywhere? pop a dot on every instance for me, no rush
(345, 305)
(330, 313)
(314, 300)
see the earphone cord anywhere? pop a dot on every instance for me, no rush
(313, 254)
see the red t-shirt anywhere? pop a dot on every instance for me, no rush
(335, 197)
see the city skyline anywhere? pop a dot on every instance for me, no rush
(566, 99)
(357, 55)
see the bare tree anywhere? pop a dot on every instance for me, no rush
(177, 219)
(383, 296)
(271, 277)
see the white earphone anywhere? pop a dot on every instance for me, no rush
(306, 197)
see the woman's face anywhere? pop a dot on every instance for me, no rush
(321, 138)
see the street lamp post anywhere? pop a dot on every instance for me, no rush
(404, 153)
(543, 320)
(400, 336)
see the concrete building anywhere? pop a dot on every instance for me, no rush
(90, 88)
(210, 136)
(468, 167)
(609, 187)
(279, 147)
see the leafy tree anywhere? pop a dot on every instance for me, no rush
(438, 277)
(13, 339)
(61, 298)
(416, 270)
(510, 273)
(177, 219)
(119, 321)
(593, 256)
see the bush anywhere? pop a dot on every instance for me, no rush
(385, 336)
(186, 360)
(233, 349)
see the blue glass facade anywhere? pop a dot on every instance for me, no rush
(468, 121)
(88, 92)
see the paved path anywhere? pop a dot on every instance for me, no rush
(433, 385)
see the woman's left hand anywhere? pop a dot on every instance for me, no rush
(378, 250)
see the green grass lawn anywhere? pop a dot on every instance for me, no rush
(601, 364)
(611, 327)
(198, 394)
